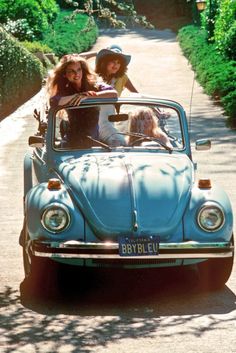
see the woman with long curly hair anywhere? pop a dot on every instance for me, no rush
(71, 80)
(71, 77)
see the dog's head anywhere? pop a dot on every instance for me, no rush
(143, 121)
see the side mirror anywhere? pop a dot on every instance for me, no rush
(36, 141)
(203, 145)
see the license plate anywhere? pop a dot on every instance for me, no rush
(139, 246)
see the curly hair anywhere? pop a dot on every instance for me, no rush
(101, 66)
(57, 82)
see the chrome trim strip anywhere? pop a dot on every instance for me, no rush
(171, 250)
(113, 245)
(36, 154)
(111, 257)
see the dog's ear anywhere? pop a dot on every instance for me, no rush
(133, 124)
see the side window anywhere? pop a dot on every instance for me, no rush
(170, 124)
(61, 125)
(76, 127)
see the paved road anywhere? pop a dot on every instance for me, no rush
(117, 314)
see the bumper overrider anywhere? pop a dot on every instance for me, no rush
(110, 250)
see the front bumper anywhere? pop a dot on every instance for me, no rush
(110, 250)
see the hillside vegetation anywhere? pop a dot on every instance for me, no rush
(21, 74)
(28, 30)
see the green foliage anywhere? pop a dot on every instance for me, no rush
(209, 17)
(229, 103)
(20, 29)
(225, 29)
(37, 13)
(64, 5)
(216, 74)
(68, 36)
(106, 11)
(50, 9)
(35, 47)
(21, 74)
(42, 52)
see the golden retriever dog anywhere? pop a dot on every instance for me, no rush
(143, 120)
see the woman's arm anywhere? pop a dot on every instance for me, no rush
(107, 93)
(130, 86)
(112, 93)
(75, 99)
(88, 54)
(68, 99)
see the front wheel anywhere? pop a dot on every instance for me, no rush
(41, 274)
(214, 273)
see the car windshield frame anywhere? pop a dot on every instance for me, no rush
(162, 104)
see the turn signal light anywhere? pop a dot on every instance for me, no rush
(54, 184)
(204, 183)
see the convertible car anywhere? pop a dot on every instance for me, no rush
(131, 201)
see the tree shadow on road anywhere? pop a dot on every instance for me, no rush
(141, 293)
(222, 154)
(105, 307)
(151, 34)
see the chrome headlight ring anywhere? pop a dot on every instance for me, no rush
(55, 218)
(210, 217)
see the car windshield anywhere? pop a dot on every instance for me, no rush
(109, 126)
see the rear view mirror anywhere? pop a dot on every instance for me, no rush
(118, 117)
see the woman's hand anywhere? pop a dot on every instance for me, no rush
(73, 100)
(90, 94)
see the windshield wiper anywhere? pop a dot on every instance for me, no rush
(104, 145)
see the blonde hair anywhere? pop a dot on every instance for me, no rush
(135, 123)
(57, 81)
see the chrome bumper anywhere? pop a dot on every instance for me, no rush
(108, 250)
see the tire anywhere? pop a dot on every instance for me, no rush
(214, 273)
(41, 274)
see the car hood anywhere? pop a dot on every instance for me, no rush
(130, 194)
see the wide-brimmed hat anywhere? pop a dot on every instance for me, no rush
(113, 50)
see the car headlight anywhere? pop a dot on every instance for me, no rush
(55, 218)
(210, 217)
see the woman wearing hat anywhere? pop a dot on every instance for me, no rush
(111, 65)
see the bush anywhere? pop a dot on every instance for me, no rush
(37, 13)
(229, 103)
(35, 47)
(216, 74)
(50, 9)
(21, 74)
(42, 52)
(70, 36)
(209, 16)
(225, 29)
(63, 4)
(20, 29)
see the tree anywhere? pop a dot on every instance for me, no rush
(109, 11)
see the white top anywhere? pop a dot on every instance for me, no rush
(107, 129)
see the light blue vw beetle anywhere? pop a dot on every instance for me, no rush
(128, 200)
